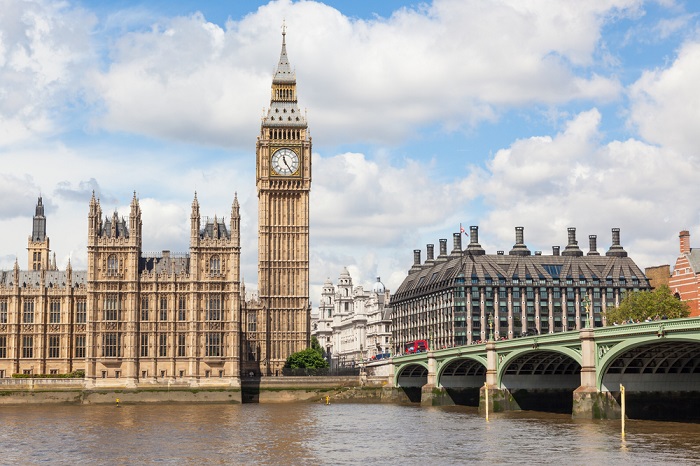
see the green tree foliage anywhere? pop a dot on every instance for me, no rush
(316, 346)
(643, 305)
(309, 358)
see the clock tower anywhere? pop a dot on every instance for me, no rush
(283, 179)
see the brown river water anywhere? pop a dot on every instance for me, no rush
(336, 434)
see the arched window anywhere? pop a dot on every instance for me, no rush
(112, 264)
(215, 265)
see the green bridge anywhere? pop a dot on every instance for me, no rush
(657, 362)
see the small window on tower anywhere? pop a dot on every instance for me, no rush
(215, 265)
(112, 265)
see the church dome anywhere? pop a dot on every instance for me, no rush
(378, 286)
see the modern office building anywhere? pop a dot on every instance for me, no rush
(460, 297)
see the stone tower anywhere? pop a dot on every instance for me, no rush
(38, 243)
(283, 164)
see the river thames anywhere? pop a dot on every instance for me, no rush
(337, 434)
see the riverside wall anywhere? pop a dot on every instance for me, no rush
(251, 390)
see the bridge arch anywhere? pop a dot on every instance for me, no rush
(662, 363)
(462, 372)
(540, 368)
(413, 374)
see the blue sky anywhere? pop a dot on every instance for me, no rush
(424, 115)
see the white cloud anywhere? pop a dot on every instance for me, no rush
(665, 104)
(45, 48)
(455, 63)
(547, 184)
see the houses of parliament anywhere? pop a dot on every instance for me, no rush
(132, 318)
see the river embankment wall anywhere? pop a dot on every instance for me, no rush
(250, 390)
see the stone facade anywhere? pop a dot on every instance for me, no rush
(353, 324)
(459, 298)
(685, 279)
(283, 153)
(130, 316)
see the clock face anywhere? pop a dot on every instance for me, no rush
(285, 162)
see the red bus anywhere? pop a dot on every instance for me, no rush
(417, 346)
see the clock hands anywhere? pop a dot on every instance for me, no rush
(284, 159)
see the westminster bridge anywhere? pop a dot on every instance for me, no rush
(658, 363)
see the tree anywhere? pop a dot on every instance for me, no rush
(642, 305)
(309, 358)
(317, 346)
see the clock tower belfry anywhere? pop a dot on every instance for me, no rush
(283, 172)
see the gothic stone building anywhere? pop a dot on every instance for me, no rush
(136, 317)
(459, 298)
(130, 316)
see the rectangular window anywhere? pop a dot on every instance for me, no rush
(214, 307)
(80, 312)
(111, 345)
(3, 346)
(213, 344)
(55, 311)
(54, 346)
(162, 345)
(163, 308)
(3, 311)
(144, 345)
(252, 321)
(181, 344)
(144, 309)
(181, 308)
(80, 346)
(28, 312)
(111, 311)
(27, 346)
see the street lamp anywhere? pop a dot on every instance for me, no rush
(490, 327)
(587, 306)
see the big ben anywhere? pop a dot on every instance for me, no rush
(283, 170)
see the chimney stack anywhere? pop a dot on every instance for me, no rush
(616, 249)
(685, 241)
(430, 253)
(443, 250)
(555, 250)
(593, 245)
(456, 244)
(519, 249)
(474, 247)
(416, 261)
(572, 248)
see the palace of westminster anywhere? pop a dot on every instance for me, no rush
(132, 318)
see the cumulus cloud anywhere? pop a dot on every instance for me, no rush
(549, 183)
(455, 63)
(45, 48)
(665, 104)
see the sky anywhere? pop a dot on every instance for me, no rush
(424, 116)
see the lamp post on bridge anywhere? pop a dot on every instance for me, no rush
(587, 305)
(490, 327)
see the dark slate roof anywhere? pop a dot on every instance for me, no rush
(215, 229)
(170, 263)
(54, 278)
(505, 270)
(694, 260)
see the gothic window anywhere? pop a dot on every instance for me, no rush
(181, 308)
(214, 307)
(163, 308)
(163, 345)
(3, 346)
(213, 344)
(111, 345)
(54, 347)
(144, 309)
(80, 312)
(3, 311)
(181, 344)
(55, 312)
(252, 322)
(112, 264)
(215, 265)
(27, 346)
(111, 310)
(80, 346)
(28, 314)
(144, 345)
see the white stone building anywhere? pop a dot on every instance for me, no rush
(352, 324)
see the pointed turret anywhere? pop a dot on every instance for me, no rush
(236, 221)
(38, 243)
(284, 73)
